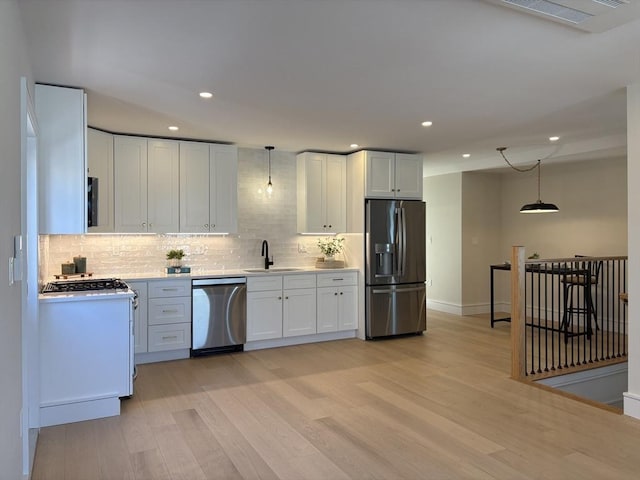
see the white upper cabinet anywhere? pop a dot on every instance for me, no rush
(163, 183)
(62, 166)
(146, 185)
(321, 188)
(208, 188)
(100, 166)
(130, 172)
(393, 175)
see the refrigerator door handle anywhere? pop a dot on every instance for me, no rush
(397, 242)
(397, 290)
(403, 242)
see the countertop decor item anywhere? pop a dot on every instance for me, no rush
(175, 257)
(539, 206)
(80, 263)
(330, 247)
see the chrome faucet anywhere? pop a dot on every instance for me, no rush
(265, 254)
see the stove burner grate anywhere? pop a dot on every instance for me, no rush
(85, 285)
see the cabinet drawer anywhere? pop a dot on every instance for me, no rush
(259, 284)
(337, 279)
(299, 281)
(169, 337)
(169, 310)
(169, 288)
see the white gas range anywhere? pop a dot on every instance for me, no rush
(86, 349)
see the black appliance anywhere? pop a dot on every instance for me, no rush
(92, 201)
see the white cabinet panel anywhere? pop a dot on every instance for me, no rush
(409, 176)
(393, 175)
(348, 307)
(321, 191)
(169, 310)
(62, 166)
(100, 166)
(130, 179)
(169, 337)
(163, 184)
(208, 188)
(264, 315)
(299, 312)
(327, 311)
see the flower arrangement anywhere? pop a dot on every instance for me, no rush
(331, 246)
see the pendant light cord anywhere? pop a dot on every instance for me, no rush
(518, 169)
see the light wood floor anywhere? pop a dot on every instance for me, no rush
(439, 406)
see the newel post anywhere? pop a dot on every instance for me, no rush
(518, 318)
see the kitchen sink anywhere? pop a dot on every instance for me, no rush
(272, 270)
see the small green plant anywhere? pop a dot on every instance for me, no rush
(175, 254)
(331, 246)
(535, 256)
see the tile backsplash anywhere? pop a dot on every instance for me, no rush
(260, 217)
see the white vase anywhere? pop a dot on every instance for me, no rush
(329, 258)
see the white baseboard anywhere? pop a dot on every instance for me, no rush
(632, 404)
(446, 307)
(78, 411)
(153, 357)
(289, 341)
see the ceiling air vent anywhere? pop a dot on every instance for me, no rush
(545, 7)
(586, 15)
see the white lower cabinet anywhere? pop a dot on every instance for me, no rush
(162, 321)
(264, 307)
(169, 315)
(283, 306)
(299, 305)
(337, 305)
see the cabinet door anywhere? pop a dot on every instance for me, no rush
(62, 169)
(194, 187)
(335, 193)
(163, 186)
(327, 316)
(224, 189)
(313, 191)
(100, 166)
(130, 182)
(140, 317)
(380, 173)
(348, 307)
(408, 176)
(264, 315)
(299, 312)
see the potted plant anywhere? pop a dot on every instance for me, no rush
(175, 257)
(331, 246)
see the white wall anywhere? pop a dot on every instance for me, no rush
(592, 198)
(14, 65)
(632, 396)
(474, 221)
(481, 233)
(443, 196)
(259, 218)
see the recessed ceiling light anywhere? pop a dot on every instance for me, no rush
(427, 124)
(354, 145)
(173, 128)
(554, 139)
(206, 94)
(466, 155)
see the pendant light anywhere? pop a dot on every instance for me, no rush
(269, 184)
(539, 206)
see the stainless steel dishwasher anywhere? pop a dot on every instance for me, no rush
(219, 315)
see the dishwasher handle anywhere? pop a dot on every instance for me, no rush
(207, 282)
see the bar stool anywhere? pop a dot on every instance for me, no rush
(587, 275)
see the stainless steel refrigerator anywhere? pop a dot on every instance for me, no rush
(395, 268)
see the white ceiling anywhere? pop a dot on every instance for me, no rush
(323, 74)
